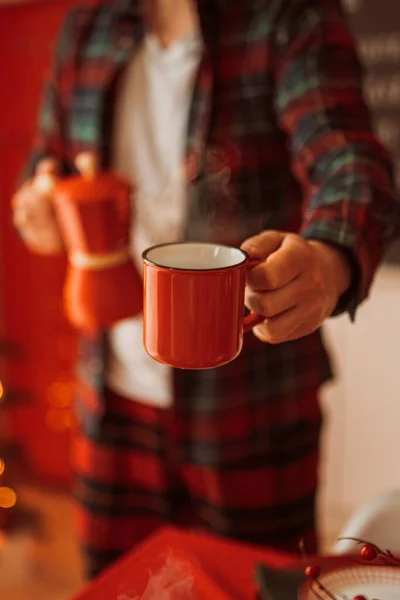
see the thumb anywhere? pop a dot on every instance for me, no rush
(45, 176)
(264, 244)
(48, 166)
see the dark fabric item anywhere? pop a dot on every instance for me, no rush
(276, 584)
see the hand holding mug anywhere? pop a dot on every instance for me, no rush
(296, 286)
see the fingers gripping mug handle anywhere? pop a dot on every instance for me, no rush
(252, 319)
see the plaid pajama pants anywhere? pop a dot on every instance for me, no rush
(131, 479)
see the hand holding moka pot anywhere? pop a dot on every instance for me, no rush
(93, 211)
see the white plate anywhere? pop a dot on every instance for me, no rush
(375, 583)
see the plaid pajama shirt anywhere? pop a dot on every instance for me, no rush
(278, 138)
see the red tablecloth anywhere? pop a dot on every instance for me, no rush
(196, 567)
(202, 567)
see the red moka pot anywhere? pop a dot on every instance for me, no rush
(93, 211)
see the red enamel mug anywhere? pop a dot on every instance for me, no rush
(194, 304)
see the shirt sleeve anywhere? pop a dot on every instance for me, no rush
(51, 139)
(345, 173)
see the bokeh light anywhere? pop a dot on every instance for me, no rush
(60, 393)
(8, 498)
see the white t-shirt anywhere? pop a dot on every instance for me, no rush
(151, 117)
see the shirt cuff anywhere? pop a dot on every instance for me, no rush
(350, 300)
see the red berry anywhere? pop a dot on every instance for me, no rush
(312, 572)
(360, 598)
(368, 552)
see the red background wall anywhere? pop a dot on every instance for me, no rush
(31, 286)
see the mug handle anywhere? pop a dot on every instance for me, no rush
(252, 319)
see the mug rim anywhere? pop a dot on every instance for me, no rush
(153, 263)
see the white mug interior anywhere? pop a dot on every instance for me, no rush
(195, 256)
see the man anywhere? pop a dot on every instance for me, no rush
(241, 122)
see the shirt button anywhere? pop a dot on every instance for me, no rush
(282, 37)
